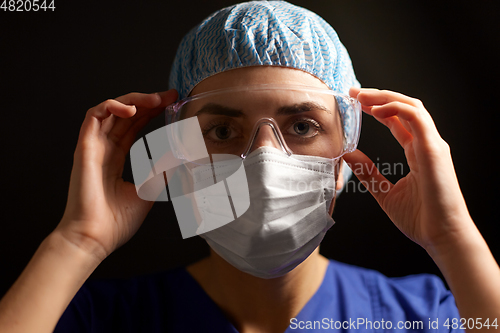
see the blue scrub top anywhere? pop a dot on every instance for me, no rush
(350, 299)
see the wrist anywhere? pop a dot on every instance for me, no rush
(462, 238)
(460, 251)
(73, 239)
(75, 247)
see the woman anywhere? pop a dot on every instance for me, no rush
(251, 45)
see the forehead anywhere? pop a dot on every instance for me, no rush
(262, 101)
(257, 75)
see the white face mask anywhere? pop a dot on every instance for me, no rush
(288, 216)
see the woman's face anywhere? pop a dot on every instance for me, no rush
(308, 121)
(324, 142)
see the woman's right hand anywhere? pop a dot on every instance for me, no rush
(103, 211)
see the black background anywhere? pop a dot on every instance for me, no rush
(56, 65)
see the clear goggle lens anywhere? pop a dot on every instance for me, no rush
(301, 120)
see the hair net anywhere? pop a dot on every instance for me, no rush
(255, 33)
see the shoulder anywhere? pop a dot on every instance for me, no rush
(413, 284)
(123, 304)
(420, 294)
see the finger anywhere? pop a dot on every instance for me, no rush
(99, 120)
(131, 136)
(168, 97)
(108, 123)
(354, 92)
(405, 124)
(140, 100)
(111, 106)
(96, 115)
(418, 120)
(115, 128)
(398, 130)
(126, 140)
(370, 97)
(368, 174)
(123, 126)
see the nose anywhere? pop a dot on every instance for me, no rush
(265, 136)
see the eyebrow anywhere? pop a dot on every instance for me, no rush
(301, 108)
(217, 109)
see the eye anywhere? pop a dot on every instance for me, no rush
(222, 132)
(301, 128)
(305, 128)
(219, 131)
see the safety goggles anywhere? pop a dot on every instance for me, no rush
(303, 120)
(202, 150)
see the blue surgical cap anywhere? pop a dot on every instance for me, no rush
(254, 33)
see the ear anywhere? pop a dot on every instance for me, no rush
(339, 183)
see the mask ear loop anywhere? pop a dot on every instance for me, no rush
(277, 133)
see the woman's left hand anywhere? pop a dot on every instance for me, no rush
(427, 204)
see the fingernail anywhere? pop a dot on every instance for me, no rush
(158, 97)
